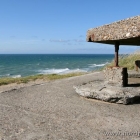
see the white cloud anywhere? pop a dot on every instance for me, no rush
(79, 40)
(59, 40)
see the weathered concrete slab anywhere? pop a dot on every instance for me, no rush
(109, 93)
(127, 32)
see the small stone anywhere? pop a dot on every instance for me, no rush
(128, 34)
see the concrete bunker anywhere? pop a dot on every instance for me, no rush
(114, 88)
(123, 32)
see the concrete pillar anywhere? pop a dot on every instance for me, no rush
(116, 54)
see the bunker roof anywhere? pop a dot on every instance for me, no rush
(126, 32)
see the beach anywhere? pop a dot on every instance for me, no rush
(52, 110)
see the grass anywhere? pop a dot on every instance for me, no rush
(6, 81)
(127, 60)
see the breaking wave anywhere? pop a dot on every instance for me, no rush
(16, 76)
(98, 65)
(9, 75)
(60, 71)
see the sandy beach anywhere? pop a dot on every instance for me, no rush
(52, 110)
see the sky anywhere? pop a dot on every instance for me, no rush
(59, 26)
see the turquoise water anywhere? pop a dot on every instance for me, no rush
(19, 65)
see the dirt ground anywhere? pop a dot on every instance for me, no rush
(51, 110)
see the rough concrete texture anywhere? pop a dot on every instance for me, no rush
(127, 32)
(105, 92)
(116, 75)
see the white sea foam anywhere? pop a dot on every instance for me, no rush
(9, 75)
(74, 70)
(53, 71)
(60, 71)
(97, 65)
(16, 76)
(5, 75)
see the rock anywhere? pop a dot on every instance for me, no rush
(108, 93)
(128, 34)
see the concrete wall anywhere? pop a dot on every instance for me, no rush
(116, 76)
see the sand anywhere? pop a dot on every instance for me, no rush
(51, 110)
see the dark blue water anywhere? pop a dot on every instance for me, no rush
(17, 65)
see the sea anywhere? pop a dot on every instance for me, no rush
(21, 65)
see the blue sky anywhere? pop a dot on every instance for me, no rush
(59, 26)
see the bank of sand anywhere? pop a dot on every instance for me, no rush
(51, 110)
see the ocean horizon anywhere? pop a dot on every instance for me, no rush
(21, 65)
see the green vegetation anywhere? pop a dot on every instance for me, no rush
(5, 81)
(127, 60)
